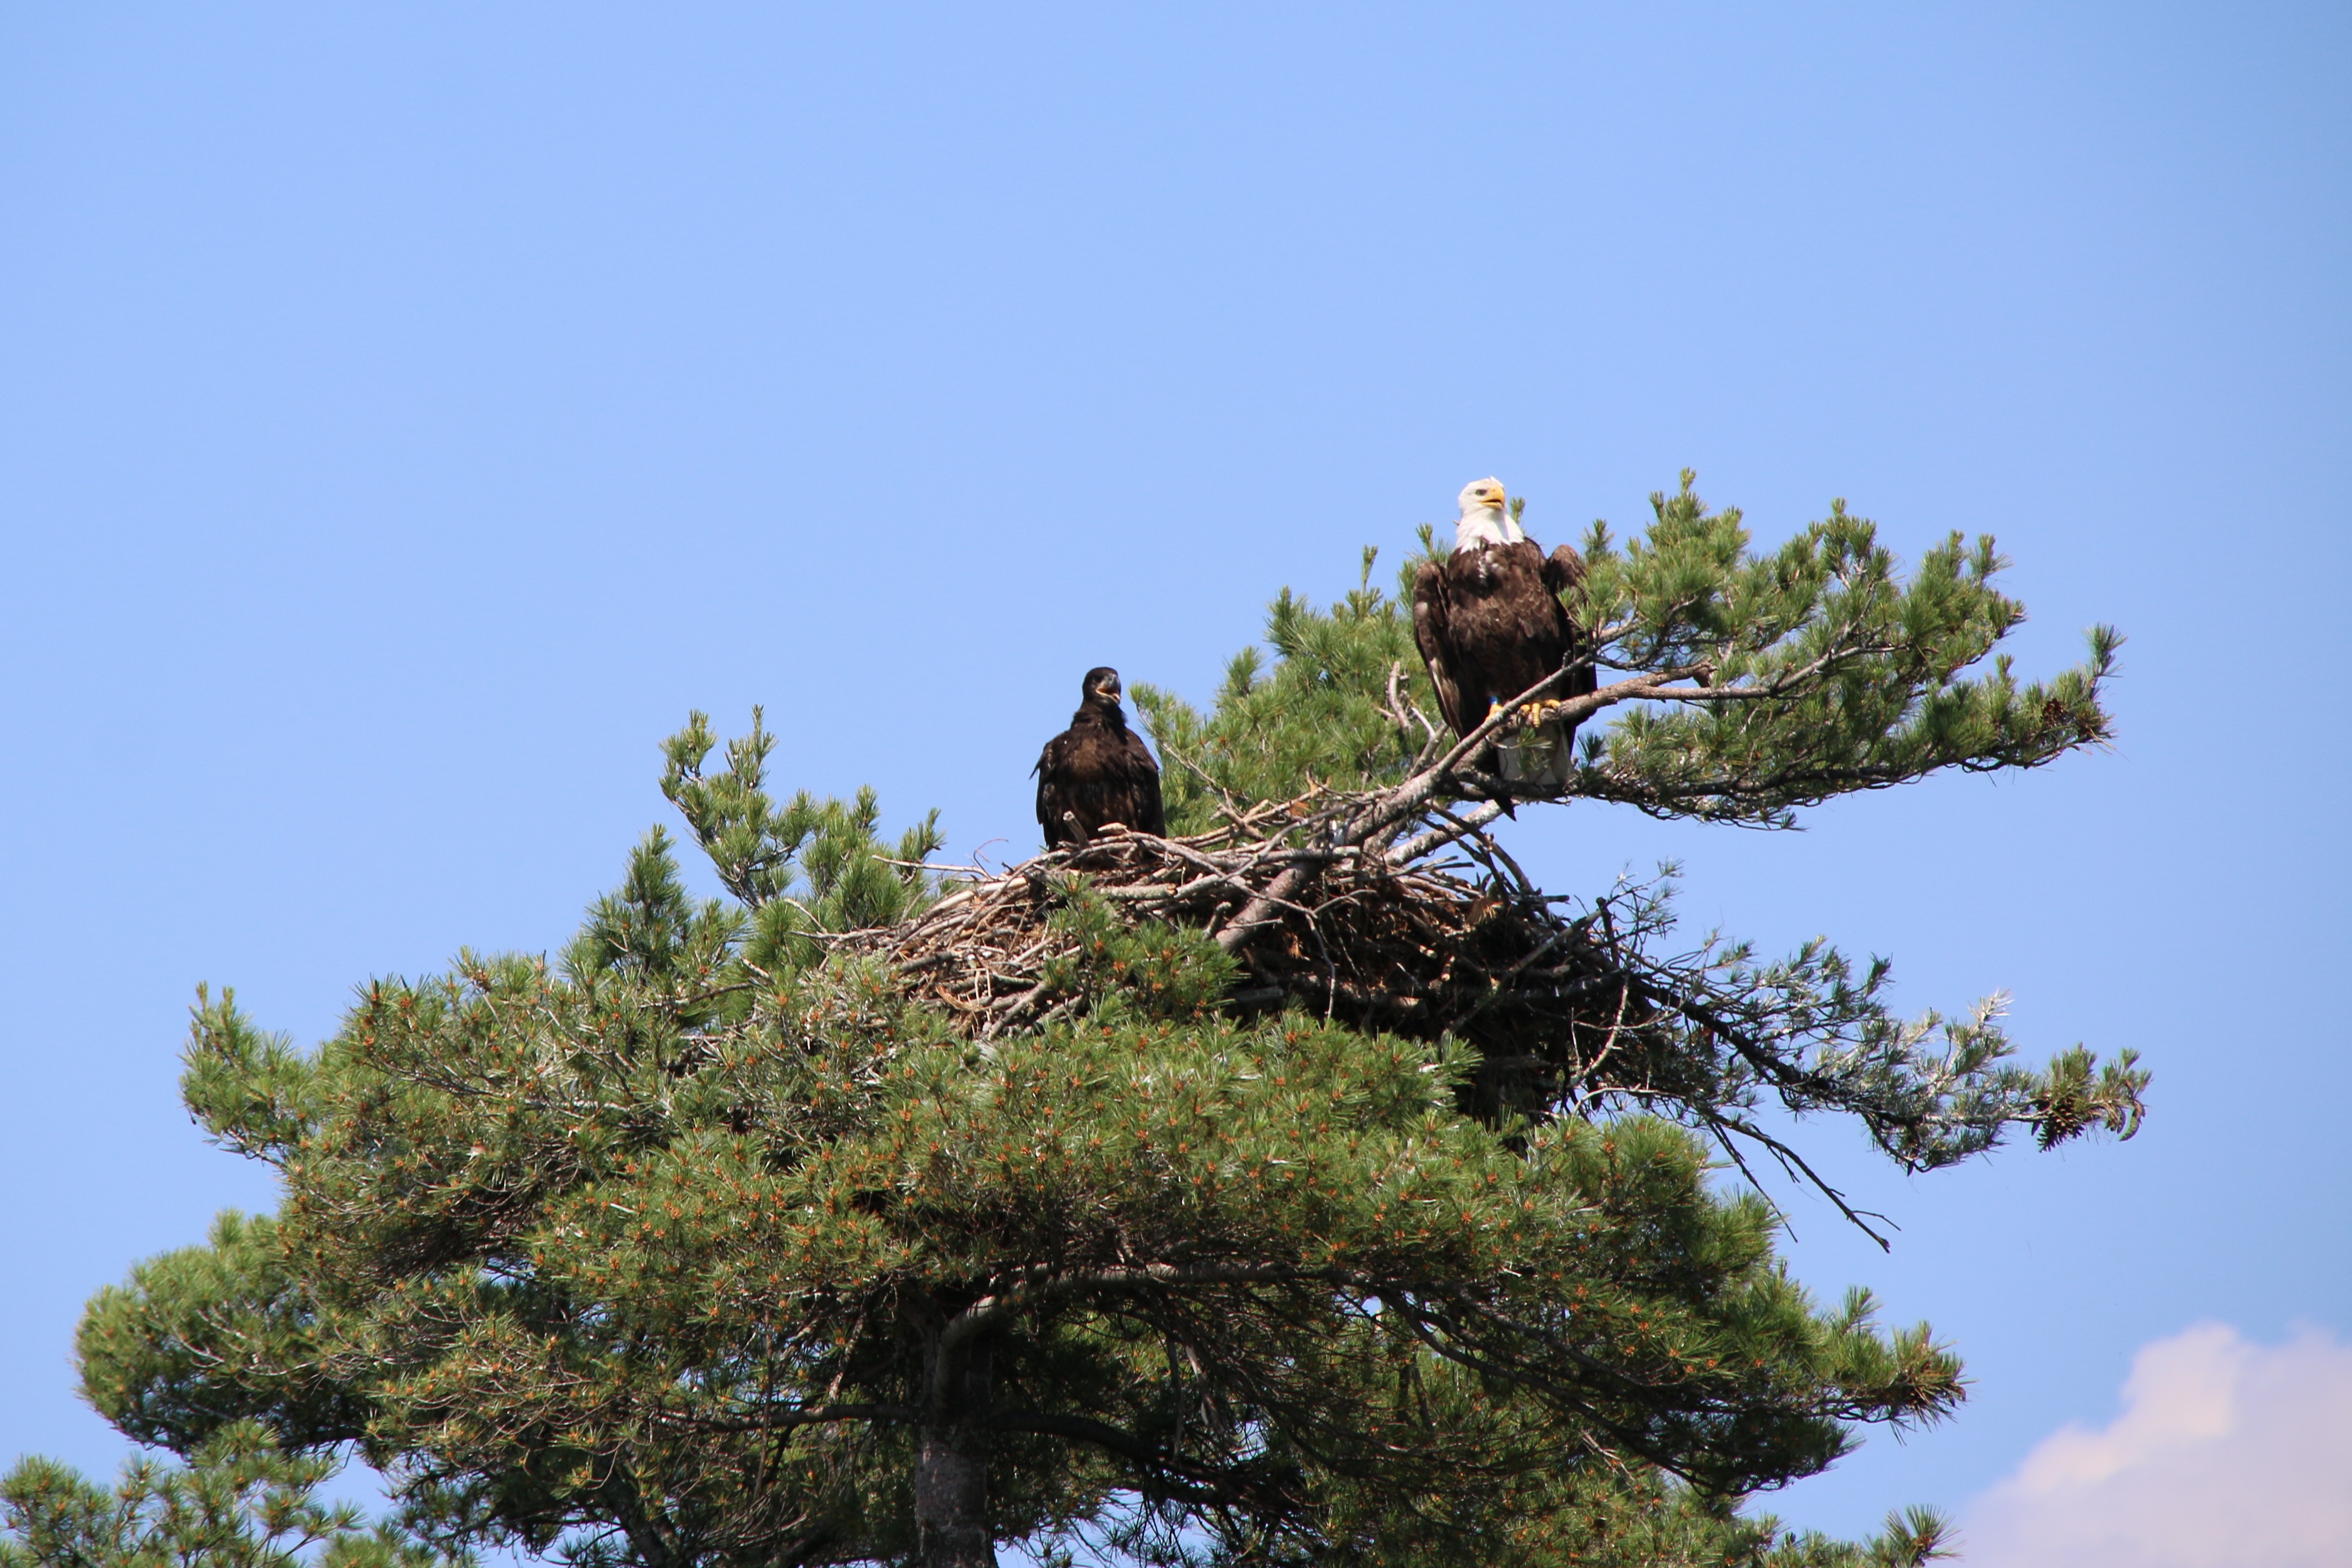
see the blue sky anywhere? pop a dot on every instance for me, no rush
(408, 413)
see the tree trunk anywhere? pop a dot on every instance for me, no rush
(952, 1501)
(951, 1470)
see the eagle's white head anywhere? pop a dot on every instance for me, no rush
(1486, 518)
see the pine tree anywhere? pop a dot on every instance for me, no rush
(240, 1502)
(1148, 1201)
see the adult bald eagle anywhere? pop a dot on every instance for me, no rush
(1098, 771)
(1490, 625)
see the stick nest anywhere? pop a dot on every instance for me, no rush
(1557, 1006)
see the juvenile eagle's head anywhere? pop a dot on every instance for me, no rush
(1484, 518)
(1102, 681)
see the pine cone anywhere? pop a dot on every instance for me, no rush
(2060, 1119)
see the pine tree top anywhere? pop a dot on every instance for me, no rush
(1305, 1187)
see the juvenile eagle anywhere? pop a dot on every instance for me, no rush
(1098, 771)
(1490, 625)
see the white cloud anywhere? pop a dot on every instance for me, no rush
(2226, 1455)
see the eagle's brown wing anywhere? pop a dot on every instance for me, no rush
(1052, 771)
(1563, 569)
(1143, 808)
(1432, 633)
(1563, 574)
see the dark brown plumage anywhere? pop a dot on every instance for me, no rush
(1098, 771)
(1490, 624)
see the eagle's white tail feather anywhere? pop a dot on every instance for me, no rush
(1540, 757)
